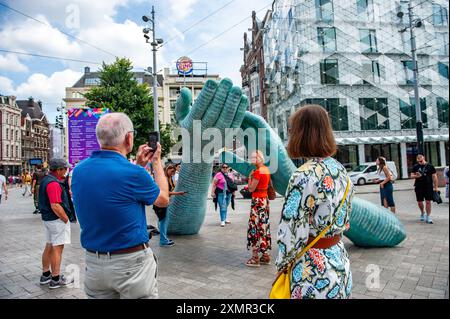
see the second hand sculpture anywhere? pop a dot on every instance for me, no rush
(223, 106)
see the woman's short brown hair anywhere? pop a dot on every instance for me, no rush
(311, 134)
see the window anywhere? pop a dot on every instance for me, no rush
(368, 41)
(326, 38)
(7, 150)
(408, 68)
(442, 110)
(329, 73)
(441, 40)
(173, 104)
(290, 16)
(371, 72)
(364, 9)
(92, 81)
(173, 92)
(440, 15)
(7, 134)
(324, 10)
(408, 113)
(255, 89)
(337, 112)
(443, 69)
(139, 80)
(374, 114)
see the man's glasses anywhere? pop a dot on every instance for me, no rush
(224, 167)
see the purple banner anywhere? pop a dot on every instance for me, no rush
(82, 139)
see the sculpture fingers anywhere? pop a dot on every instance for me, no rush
(240, 113)
(229, 110)
(214, 109)
(204, 100)
(237, 163)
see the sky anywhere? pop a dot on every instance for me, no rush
(102, 29)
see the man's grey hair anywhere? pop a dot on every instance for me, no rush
(112, 128)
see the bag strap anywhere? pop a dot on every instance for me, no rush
(326, 228)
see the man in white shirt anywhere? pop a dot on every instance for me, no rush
(3, 188)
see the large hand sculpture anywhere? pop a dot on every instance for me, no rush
(218, 106)
(223, 106)
(370, 225)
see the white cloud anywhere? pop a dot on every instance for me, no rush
(181, 9)
(10, 62)
(48, 89)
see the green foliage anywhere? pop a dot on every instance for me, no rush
(120, 92)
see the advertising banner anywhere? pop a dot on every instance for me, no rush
(81, 137)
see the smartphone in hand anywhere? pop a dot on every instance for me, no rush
(153, 140)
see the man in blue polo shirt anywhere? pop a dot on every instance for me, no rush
(110, 195)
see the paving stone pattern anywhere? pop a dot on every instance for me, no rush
(211, 264)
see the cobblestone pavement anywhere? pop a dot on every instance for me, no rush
(211, 264)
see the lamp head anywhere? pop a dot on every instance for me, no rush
(146, 19)
(400, 14)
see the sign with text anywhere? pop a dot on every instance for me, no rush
(81, 125)
(185, 66)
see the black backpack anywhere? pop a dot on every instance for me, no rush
(232, 187)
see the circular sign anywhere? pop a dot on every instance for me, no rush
(185, 66)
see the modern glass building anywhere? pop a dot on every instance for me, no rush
(351, 57)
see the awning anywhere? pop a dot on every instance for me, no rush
(389, 139)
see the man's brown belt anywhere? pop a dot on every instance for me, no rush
(123, 251)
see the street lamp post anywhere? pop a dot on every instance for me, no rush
(155, 42)
(419, 123)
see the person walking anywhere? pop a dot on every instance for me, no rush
(55, 212)
(385, 178)
(27, 182)
(447, 179)
(3, 188)
(110, 195)
(161, 212)
(38, 176)
(259, 239)
(222, 192)
(426, 182)
(317, 205)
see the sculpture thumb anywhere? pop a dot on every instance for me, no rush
(183, 104)
(374, 226)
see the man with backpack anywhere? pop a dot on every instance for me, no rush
(38, 176)
(222, 190)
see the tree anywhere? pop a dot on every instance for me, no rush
(120, 92)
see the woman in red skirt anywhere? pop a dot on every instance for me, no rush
(258, 234)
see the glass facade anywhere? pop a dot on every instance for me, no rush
(408, 113)
(347, 155)
(326, 38)
(408, 68)
(336, 111)
(374, 114)
(368, 41)
(390, 151)
(329, 72)
(442, 110)
(324, 10)
(443, 69)
(440, 15)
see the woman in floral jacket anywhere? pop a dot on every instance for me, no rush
(313, 197)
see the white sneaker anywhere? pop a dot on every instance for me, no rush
(222, 224)
(422, 217)
(227, 222)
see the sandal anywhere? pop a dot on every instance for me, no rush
(264, 260)
(252, 262)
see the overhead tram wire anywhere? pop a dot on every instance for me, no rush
(48, 25)
(199, 21)
(49, 57)
(227, 30)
